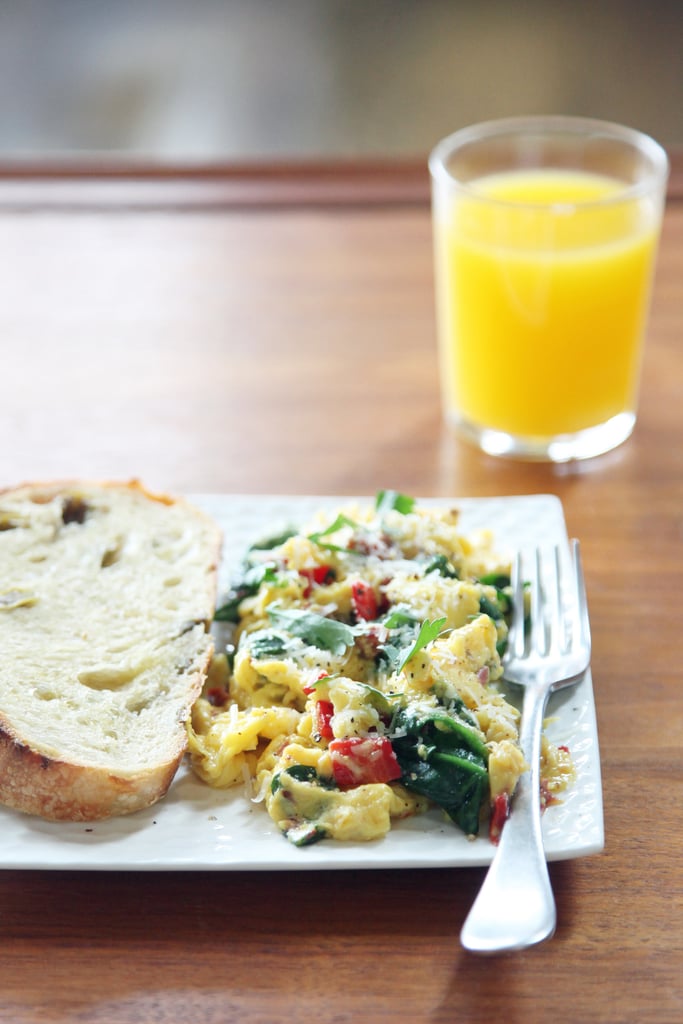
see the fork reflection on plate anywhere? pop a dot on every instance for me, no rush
(515, 907)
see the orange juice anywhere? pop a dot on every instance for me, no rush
(543, 284)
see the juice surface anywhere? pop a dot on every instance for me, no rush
(542, 308)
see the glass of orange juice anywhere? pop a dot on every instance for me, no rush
(545, 235)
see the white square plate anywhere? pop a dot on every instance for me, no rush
(198, 828)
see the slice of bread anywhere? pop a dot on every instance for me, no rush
(106, 597)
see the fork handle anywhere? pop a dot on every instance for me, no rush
(515, 907)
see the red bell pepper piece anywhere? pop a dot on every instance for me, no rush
(311, 687)
(217, 696)
(363, 600)
(499, 815)
(358, 760)
(324, 710)
(317, 574)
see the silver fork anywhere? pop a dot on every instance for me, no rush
(515, 907)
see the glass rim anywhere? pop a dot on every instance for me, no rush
(552, 124)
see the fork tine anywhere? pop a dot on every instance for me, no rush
(581, 621)
(518, 639)
(558, 633)
(539, 638)
(549, 589)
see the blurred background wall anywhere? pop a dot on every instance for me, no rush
(214, 80)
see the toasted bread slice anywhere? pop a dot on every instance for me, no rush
(106, 596)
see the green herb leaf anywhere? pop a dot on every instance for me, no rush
(316, 630)
(399, 616)
(403, 629)
(340, 521)
(394, 500)
(428, 631)
(385, 703)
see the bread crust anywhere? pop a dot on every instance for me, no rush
(37, 782)
(56, 790)
(52, 488)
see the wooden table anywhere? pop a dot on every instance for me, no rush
(272, 331)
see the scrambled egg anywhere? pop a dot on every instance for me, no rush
(361, 686)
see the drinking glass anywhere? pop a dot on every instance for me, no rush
(545, 237)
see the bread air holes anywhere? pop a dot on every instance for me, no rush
(107, 677)
(169, 545)
(16, 597)
(138, 702)
(43, 692)
(74, 510)
(112, 554)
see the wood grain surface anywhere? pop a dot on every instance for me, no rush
(281, 339)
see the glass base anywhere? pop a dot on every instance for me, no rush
(585, 444)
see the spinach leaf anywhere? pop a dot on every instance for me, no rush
(306, 833)
(497, 610)
(487, 607)
(442, 565)
(442, 729)
(267, 645)
(246, 586)
(300, 772)
(457, 707)
(301, 831)
(493, 579)
(316, 630)
(443, 758)
(268, 543)
(459, 790)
